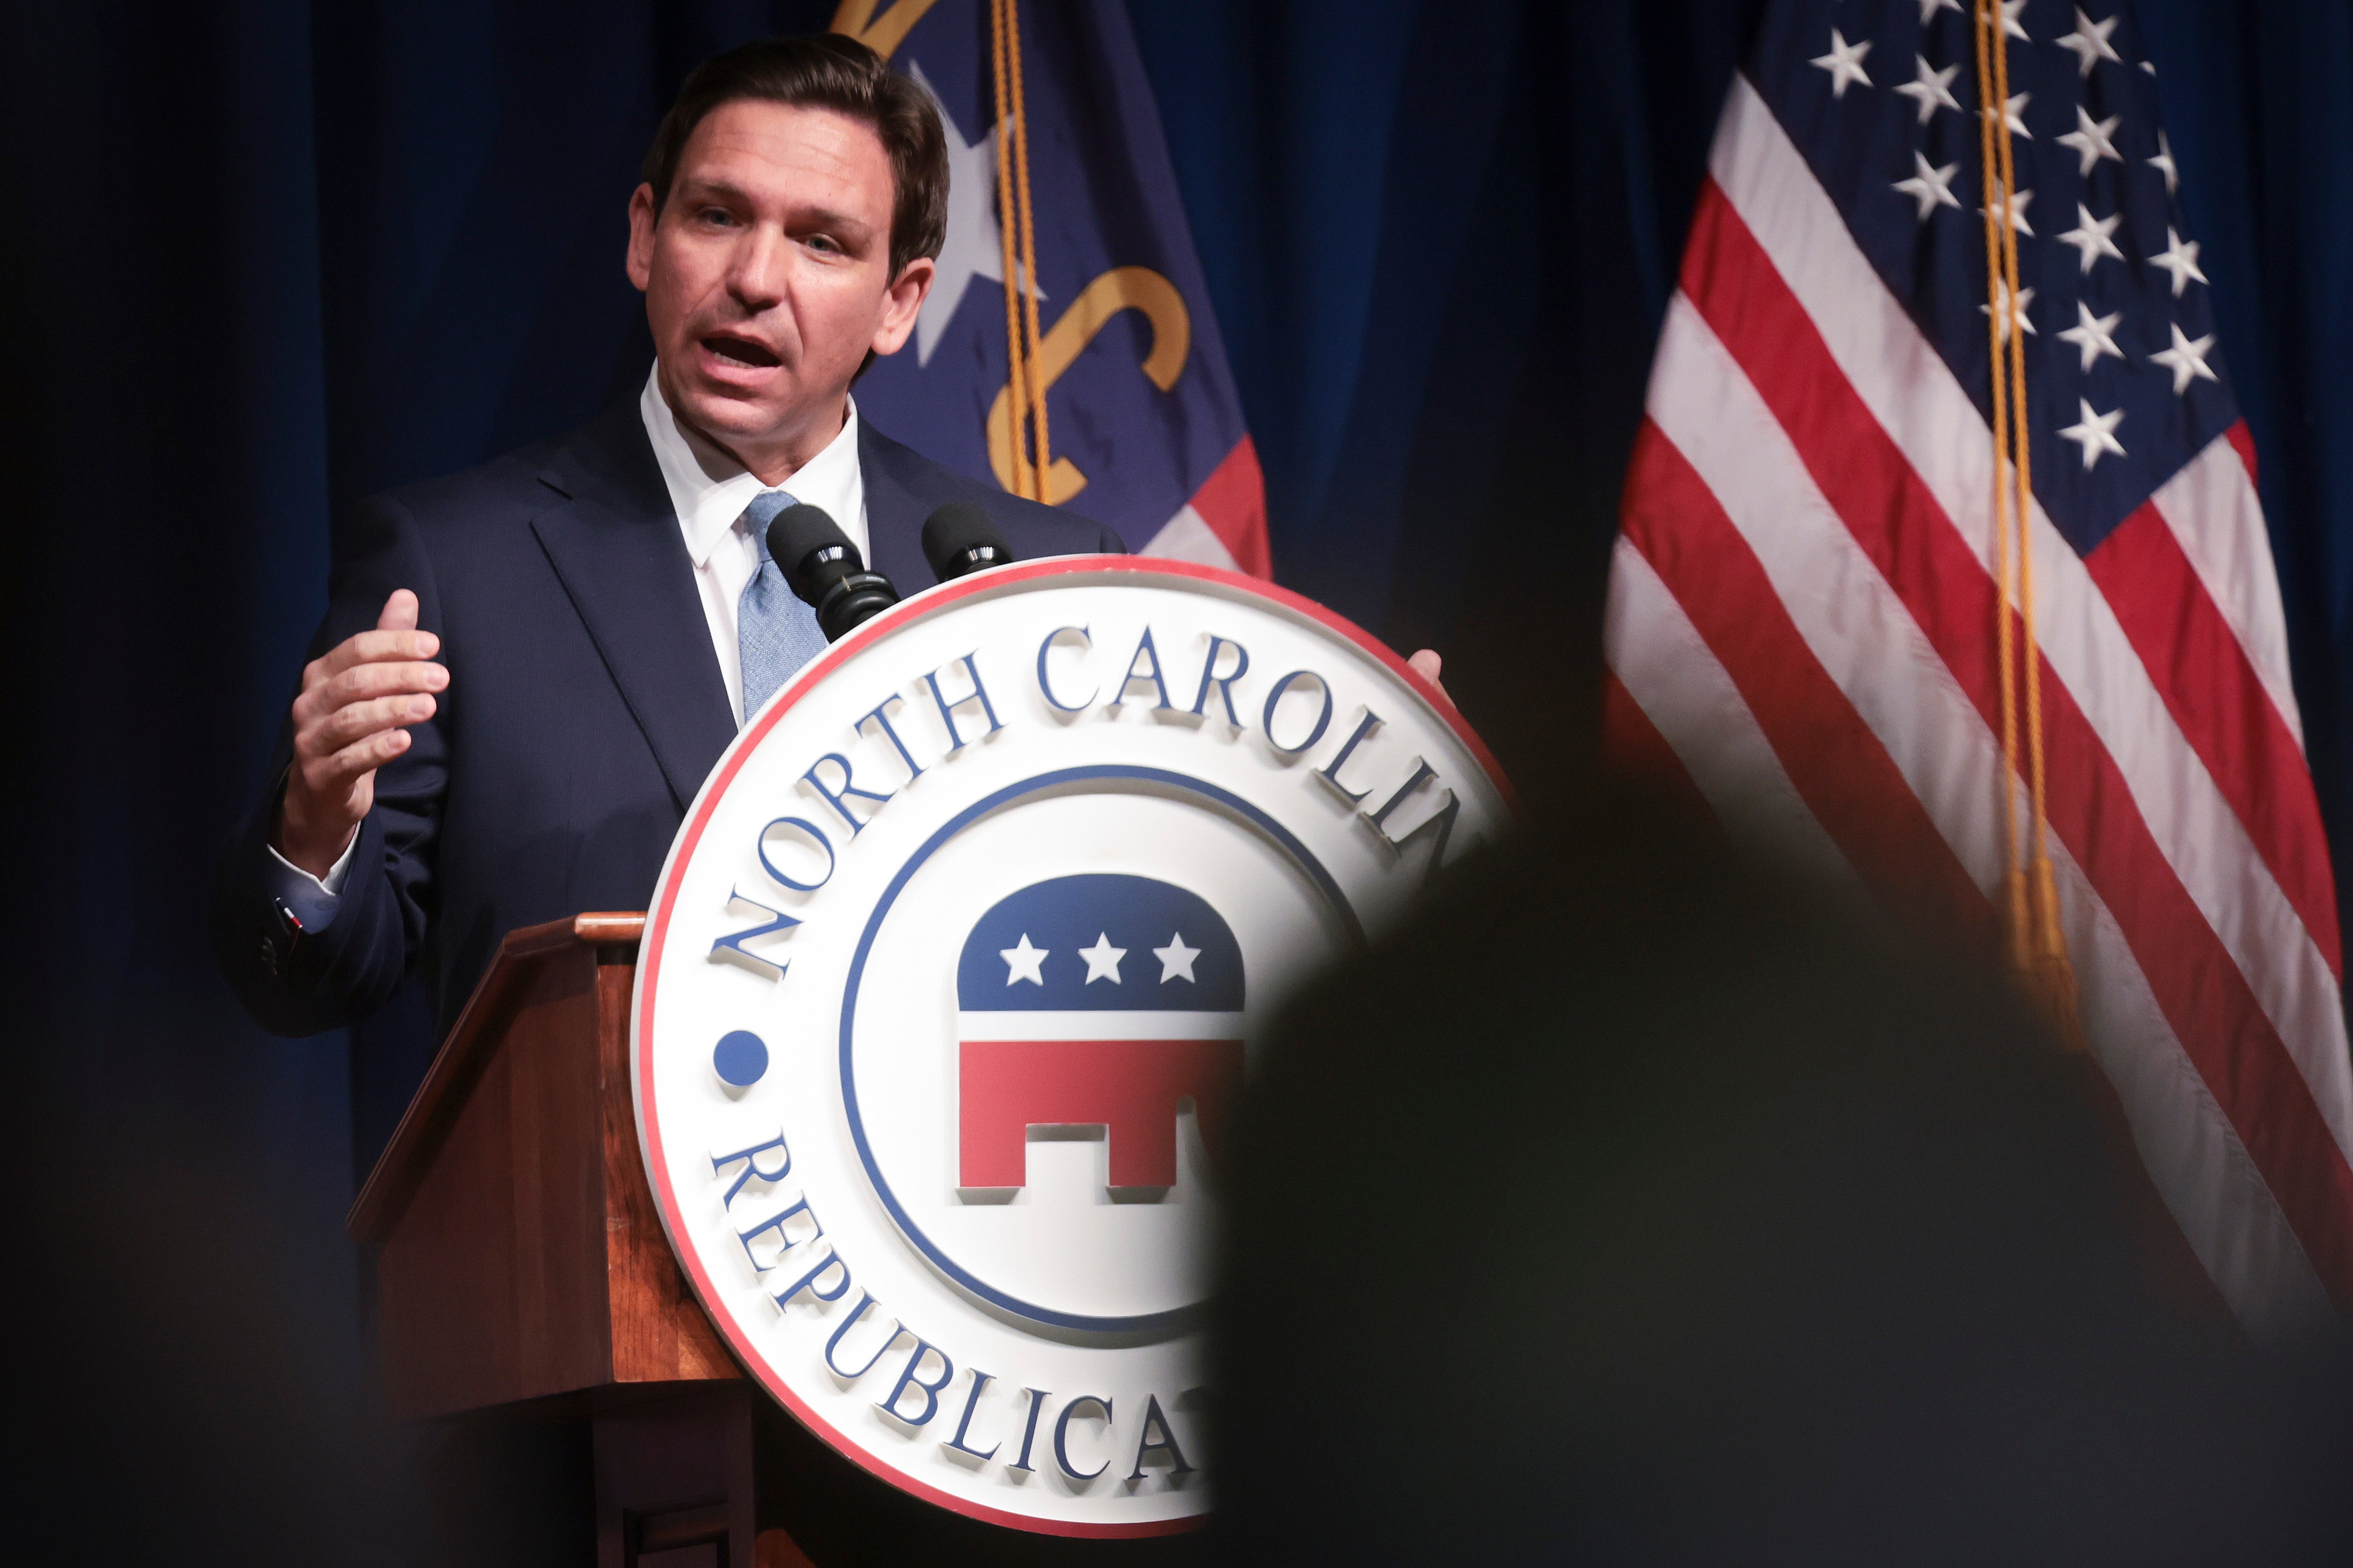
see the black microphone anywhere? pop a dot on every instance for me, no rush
(827, 572)
(959, 538)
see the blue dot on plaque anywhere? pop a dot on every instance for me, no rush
(740, 1057)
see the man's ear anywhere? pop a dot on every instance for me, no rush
(640, 262)
(902, 303)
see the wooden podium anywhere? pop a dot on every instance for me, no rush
(519, 1258)
(521, 1266)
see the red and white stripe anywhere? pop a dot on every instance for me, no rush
(1224, 525)
(1802, 609)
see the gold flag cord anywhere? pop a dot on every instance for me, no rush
(2005, 664)
(1024, 377)
(2036, 943)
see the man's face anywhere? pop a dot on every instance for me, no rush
(768, 276)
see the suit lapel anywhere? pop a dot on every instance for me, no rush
(894, 514)
(614, 542)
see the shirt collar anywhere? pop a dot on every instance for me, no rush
(709, 489)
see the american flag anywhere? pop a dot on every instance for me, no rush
(1802, 608)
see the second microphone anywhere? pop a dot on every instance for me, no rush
(828, 574)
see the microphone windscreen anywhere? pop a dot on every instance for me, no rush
(954, 533)
(800, 531)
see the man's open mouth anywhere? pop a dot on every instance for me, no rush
(741, 351)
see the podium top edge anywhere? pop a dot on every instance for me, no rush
(609, 926)
(399, 1169)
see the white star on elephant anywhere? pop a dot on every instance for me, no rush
(1102, 959)
(1175, 959)
(1022, 963)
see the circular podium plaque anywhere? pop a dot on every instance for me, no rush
(951, 983)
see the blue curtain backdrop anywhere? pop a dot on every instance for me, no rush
(266, 257)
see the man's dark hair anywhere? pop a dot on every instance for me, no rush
(826, 70)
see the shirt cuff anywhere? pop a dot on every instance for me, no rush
(312, 899)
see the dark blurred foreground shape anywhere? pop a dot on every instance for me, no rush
(1632, 1206)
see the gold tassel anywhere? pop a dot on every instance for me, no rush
(2051, 978)
(2017, 922)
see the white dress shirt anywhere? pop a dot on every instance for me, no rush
(708, 491)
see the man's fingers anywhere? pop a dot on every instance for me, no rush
(369, 648)
(1426, 663)
(365, 683)
(356, 720)
(396, 637)
(351, 720)
(332, 776)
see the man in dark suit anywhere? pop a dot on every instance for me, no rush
(526, 670)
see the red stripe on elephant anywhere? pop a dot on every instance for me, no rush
(1128, 1087)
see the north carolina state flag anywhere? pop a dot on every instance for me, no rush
(1145, 428)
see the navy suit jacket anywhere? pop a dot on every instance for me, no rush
(584, 708)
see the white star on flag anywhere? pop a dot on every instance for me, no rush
(2091, 140)
(2163, 162)
(2011, 26)
(2017, 209)
(1021, 962)
(2013, 117)
(2013, 314)
(1102, 959)
(972, 247)
(1930, 7)
(2185, 358)
(1844, 62)
(2092, 334)
(2097, 434)
(2091, 236)
(2090, 41)
(1175, 959)
(2179, 257)
(1932, 188)
(1934, 89)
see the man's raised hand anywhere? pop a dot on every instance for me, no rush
(352, 718)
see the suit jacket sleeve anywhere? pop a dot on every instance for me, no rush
(300, 983)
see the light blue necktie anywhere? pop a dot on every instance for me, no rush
(776, 633)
